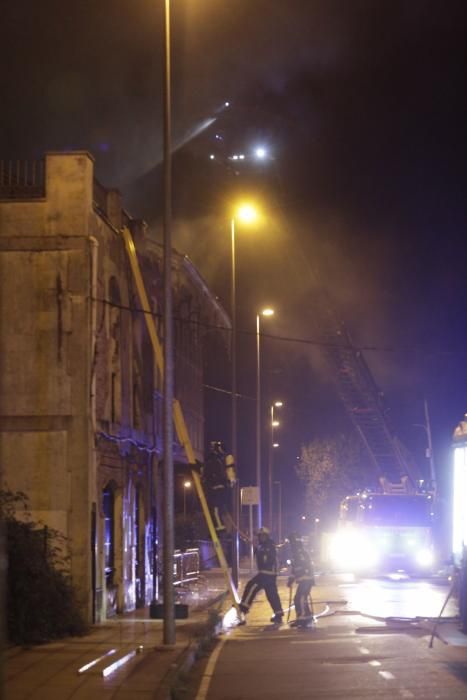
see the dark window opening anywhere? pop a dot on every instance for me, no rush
(109, 534)
(138, 531)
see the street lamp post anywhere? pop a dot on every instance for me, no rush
(272, 446)
(186, 485)
(264, 312)
(233, 353)
(168, 501)
(429, 452)
(279, 507)
(247, 214)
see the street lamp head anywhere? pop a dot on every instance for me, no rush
(260, 153)
(187, 484)
(275, 444)
(247, 213)
(278, 404)
(275, 424)
(267, 312)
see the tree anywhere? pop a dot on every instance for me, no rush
(332, 468)
(41, 601)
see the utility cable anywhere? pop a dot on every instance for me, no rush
(290, 339)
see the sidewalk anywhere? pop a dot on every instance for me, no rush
(121, 659)
(74, 668)
(450, 633)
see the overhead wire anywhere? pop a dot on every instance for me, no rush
(291, 339)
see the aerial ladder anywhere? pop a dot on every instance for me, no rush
(364, 402)
(179, 420)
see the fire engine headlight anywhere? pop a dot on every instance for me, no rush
(424, 557)
(353, 551)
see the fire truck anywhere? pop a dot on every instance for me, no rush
(385, 532)
(391, 529)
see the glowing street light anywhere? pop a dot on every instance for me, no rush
(247, 213)
(260, 153)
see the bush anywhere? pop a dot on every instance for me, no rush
(41, 602)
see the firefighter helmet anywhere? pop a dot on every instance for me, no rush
(217, 446)
(263, 531)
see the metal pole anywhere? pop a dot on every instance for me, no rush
(252, 550)
(258, 422)
(168, 501)
(430, 447)
(270, 460)
(235, 490)
(280, 511)
(3, 582)
(279, 507)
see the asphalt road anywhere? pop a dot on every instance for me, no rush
(371, 641)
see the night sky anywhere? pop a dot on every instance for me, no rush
(362, 107)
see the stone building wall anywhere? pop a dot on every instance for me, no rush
(80, 396)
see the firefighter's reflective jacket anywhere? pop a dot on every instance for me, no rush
(266, 559)
(301, 566)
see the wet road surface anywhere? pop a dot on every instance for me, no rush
(371, 640)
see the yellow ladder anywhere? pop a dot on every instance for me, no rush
(179, 420)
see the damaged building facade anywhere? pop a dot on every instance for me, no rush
(80, 394)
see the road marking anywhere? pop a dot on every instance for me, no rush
(387, 675)
(209, 672)
(374, 663)
(364, 650)
(406, 693)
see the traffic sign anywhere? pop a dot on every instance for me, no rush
(250, 496)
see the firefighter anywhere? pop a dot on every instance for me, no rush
(266, 562)
(219, 478)
(301, 572)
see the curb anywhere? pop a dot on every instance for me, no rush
(171, 684)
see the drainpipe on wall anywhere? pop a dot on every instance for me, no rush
(94, 510)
